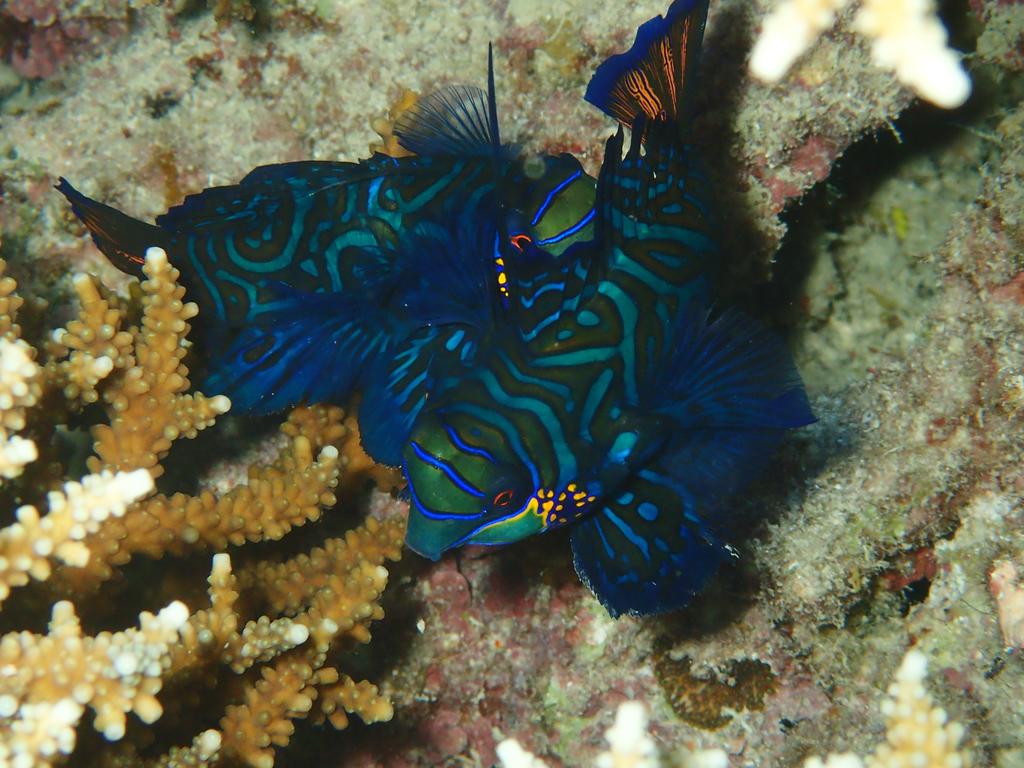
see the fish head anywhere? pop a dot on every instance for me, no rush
(551, 204)
(468, 484)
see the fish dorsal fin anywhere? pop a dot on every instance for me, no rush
(492, 104)
(503, 251)
(456, 120)
(654, 78)
(260, 195)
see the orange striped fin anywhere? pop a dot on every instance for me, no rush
(654, 78)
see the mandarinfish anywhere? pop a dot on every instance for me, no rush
(534, 348)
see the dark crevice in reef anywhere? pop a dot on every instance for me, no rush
(717, 109)
(827, 209)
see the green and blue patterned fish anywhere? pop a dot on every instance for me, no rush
(532, 353)
(623, 405)
(331, 227)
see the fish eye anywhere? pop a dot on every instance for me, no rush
(504, 498)
(520, 241)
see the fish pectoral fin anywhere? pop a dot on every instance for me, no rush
(638, 436)
(646, 551)
(396, 389)
(727, 396)
(311, 348)
(729, 373)
(447, 273)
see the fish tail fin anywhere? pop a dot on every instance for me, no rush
(654, 79)
(121, 238)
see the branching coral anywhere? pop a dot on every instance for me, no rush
(283, 640)
(918, 734)
(279, 496)
(17, 392)
(54, 676)
(146, 393)
(906, 36)
(384, 126)
(298, 682)
(28, 545)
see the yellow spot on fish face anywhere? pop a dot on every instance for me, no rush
(562, 507)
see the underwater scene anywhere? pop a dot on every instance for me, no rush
(512, 384)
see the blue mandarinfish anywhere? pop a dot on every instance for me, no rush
(535, 348)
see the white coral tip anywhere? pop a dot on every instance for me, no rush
(156, 257)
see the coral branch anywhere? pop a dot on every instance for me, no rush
(289, 492)
(788, 33)
(150, 409)
(50, 679)
(19, 385)
(906, 37)
(27, 545)
(18, 391)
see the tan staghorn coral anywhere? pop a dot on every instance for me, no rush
(269, 645)
(28, 545)
(298, 682)
(53, 677)
(147, 395)
(384, 126)
(286, 594)
(10, 303)
(18, 391)
(279, 496)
